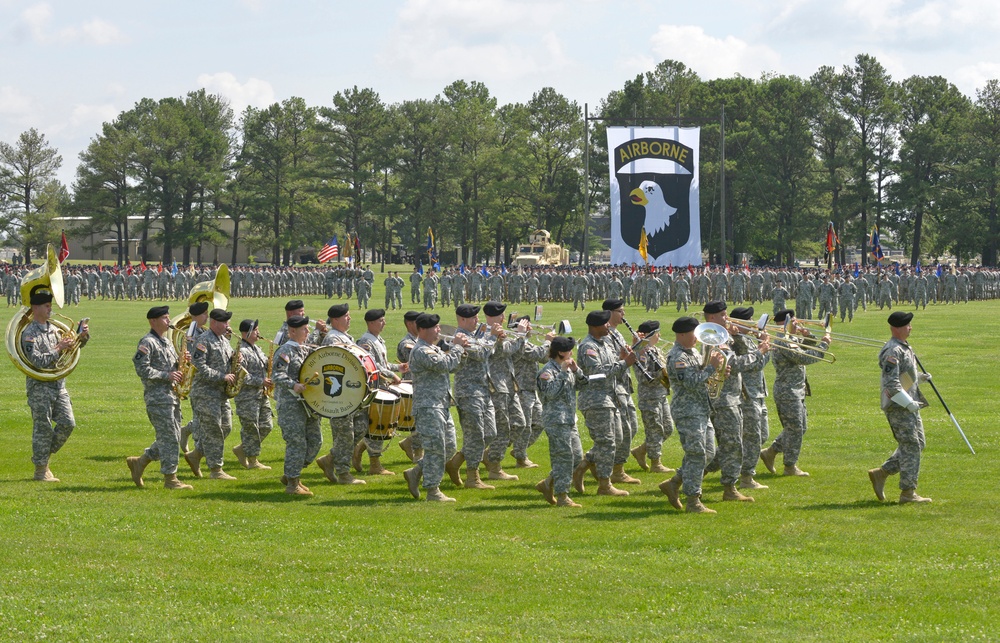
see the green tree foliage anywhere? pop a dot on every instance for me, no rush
(27, 200)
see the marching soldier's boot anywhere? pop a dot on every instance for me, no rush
(605, 488)
(639, 453)
(434, 495)
(359, 450)
(473, 481)
(565, 501)
(412, 476)
(193, 458)
(525, 464)
(578, 473)
(241, 455)
(747, 482)
(405, 445)
(497, 472)
(254, 463)
(878, 477)
(694, 506)
(767, 457)
(293, 488)
(452, 468)
(170, 481)
(910, 495)
(42, 474)
(545, 488)
(219, 474)
(325, 463)
(137, 466)
(671, 488)
(185, 434)
(656, 466)
(618, 475)
(793, 470)
(729, 492)
(347, 478)
(375, 467)
(418, 455)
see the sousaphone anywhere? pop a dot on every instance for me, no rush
(214, 291)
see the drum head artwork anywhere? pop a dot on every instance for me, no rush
(337, 379)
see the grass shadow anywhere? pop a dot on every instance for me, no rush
(105, 458)
(242, 497)
(92, 489)
(857, 504)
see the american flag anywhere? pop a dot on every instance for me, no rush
(329, 251)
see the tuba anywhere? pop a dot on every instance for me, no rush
(48, 277)
(711, 336)
(214, 291)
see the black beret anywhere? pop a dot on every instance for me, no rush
(374, 314)
(220, 314)
(411, 315)
(157, 311)
(198, 308)
(467, 310)
(494, 308)
(40, 297)
(648, 327)
(684, 325)
(247, 325)
(337, 310)
(780, 316)
(297, 321)
(899, 319)
(428, 320)
(612, 304)
(598, 317)
(563, 344)
(294, 304)
(742, 312)
(713, 307)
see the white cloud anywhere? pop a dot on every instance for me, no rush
(253, 93)
(973, 77)
(101, 32)
(14, 104)
(92, 116)
(709, 56)
(38, 17)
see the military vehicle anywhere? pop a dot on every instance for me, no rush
(540, 251)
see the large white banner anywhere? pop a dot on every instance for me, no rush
(654, 186)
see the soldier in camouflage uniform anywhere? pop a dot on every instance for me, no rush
(212, 356)
(300, 427)
(624, 405)
(901, 401)
(411, 443)
(653, 388)
(373, 343)
(510, 420)
(602, 364)
(525, 372)
(49, 401)
(753, 405)
(253, 405)
(790, 390)
(690, 408)
(430, 289)
(415, 279)
(430, 368)
(557, 383)
(156, 364)
(199, 317)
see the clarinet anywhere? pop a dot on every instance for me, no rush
(638, 364)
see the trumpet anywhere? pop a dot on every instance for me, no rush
(448, 334)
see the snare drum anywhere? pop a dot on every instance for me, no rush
(405, 392)
(383, 415)
(339, 379)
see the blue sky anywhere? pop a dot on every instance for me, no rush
(68, 66)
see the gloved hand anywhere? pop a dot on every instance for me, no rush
(924, 377)
(913, 407)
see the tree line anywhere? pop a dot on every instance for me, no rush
(853, 146)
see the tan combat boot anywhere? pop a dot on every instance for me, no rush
(325, 463)
(294, 488)
(219, 474)
(42, 474)
(170, 481)
(405, 445)
(193, 458)
(497, 472)
(137, 466)
(671, 488)
(375, 467)
(434, 495)
(878, 477)
(545, 488)
(605, 488)
(747, 482)
(418, 455)
(241, 455)
(910, 495)
(656, 466)
(473, 481)
(185, 434)
(359, 450)
(618, 475)
(254, 463)
(525, 464)
(412, 476)
(578, 473)
(729, 492)
(347, 478)
(694, 506)
(767, 457)
(793, 470)
(451, 467)
(639, 453)
(565, 501)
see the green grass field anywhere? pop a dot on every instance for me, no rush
(93, 557)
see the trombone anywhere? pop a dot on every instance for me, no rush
(782, 341)
(841, 337)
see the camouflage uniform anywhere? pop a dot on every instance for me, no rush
(557, 388)
(597, 400)
(154, 360)
(753, 406)
(349, 430)
(657, 422)
(627, 416)
(510, 420)
(252, 404)
(375, 346)
(214, 417)
(525, 371)
(899, 373)
(299, 427)
(430, 367)
(689, 407)
(49, 401)
(403, 350)
(790, 390)
(476, 413)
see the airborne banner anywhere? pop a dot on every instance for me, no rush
(654, 188)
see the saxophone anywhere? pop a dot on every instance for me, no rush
(269, 369)
(183, 388)
(236, 368)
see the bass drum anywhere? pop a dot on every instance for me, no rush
(339, 379)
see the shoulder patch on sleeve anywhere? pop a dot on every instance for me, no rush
(590, 352)
(545, 375)
(285, 358)
(202, 348)
(892, 359)
(143, 349)
(680, 365)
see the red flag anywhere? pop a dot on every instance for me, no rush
(159, 268)
(142, 265)
(832, 240)
(64, 249)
